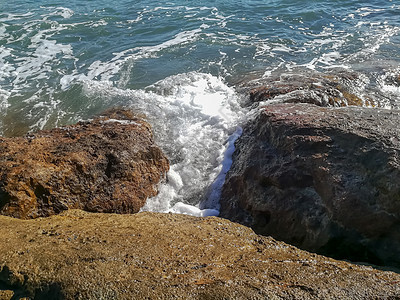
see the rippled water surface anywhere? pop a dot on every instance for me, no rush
(178, 62)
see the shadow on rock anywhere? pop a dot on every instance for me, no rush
(323, 179)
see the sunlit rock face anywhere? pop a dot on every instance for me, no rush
(109, 164)
(324, 179)
(80, 255)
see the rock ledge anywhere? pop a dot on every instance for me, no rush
(79, 255)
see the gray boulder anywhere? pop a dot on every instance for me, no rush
(324, 179)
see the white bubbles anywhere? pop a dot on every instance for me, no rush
(214, 191)
(191, 210)
(5, 67)
(3, 33)
(13, 17)
(193, 116)
(39, 63)
(66, 63)
(30, 60)
(389, 86)
(4, 95)
(106, 70)
(366, 11)
(66, 13)
(175, 180)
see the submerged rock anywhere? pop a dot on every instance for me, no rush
(323, 179)
(78, 255)
(110, 164)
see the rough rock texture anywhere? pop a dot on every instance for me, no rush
(78, 255)
(110, 164)
(336, 89)
(323, 179)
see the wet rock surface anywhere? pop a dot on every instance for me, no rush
(110, 164)
(337, 89)
(323, 179)
(79, 255)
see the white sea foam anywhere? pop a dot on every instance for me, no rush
(6, 68)
(4, 95)
(12, 17)
(214, 194)
(24, 69)
(378, 35)
(194, 116)
(389, 86)
(123, 122)
(203, 112)
(3, 99)
(99, 23)
(186, 209)
(281, 48)
(64, 12)
(366, 11)
(3, 29)
(105, 70)
(40, 62)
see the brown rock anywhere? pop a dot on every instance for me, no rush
(78, 255)
(336, 89)
(324, 179)
(6, 294)
(110, 164)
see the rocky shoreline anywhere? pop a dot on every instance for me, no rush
(323, 179)
(109, 164)
(79, 255)
(308, 170)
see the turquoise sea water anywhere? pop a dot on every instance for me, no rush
(178, 62)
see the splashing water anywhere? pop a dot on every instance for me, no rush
(177, 63)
